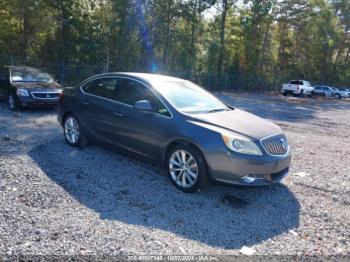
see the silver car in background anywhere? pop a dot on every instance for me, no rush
(196, 136)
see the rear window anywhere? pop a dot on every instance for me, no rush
(296, 82)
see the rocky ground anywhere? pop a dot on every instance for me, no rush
(56, 200)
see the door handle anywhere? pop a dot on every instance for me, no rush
(118, 114)
(84, 102)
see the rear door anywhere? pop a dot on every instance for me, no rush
(99, 110)
(327, 91)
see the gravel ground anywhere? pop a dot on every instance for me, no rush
(56, 200)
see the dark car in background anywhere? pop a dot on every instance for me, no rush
(23, 86)
(194, 134)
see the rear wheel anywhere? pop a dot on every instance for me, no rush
(338, 96)
(187, 169)
(73, 132)
(284, 93)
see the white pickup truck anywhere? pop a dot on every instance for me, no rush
(297, 87)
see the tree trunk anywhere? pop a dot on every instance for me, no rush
(340, 51)
(26, 32)
(122, 13)
(347, 55)
(196, 16)
(225, 8)
(167, 38)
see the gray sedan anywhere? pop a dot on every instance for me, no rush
(194, 134)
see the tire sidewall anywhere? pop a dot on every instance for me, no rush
(202, 179)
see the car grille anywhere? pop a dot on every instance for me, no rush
(275, 145)
(45, 95)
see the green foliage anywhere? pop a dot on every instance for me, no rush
(242, 44)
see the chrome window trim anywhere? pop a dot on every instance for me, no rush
(267, 137)
(118, 102)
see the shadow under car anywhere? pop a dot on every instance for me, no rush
(122, 189)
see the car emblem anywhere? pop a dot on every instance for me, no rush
(284, 143)
(47, 96)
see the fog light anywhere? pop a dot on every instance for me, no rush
(248, 179)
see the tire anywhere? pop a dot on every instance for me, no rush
(301, 92)
(191, 176)
(73, 131)
(12, 103)
(338, 96)
(284, 93)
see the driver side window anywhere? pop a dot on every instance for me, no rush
(130, 92)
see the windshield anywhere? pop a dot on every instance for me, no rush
(189, 98)
(30, 75)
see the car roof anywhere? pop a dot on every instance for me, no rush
(154, 77)
(22, 67)
(145, 77)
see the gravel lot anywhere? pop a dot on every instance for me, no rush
(58, 200)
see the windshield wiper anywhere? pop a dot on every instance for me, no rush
(217, 110)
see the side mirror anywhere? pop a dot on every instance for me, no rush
(144, 105)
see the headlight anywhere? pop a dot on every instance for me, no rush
(22, 92)
(241, 145)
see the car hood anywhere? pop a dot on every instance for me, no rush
(238, 121)
(37, 85)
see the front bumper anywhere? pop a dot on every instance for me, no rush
(40, 98)
(248, 170)
(28, 101)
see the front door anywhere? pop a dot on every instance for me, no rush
(142, 132)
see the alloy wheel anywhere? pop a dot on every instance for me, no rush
(183, 168)
(71, 130)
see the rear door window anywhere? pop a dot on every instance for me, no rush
(295, 82)
(102, 87)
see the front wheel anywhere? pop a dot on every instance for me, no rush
(187, 169)
(12, 103)
(338, 96)
(73, 132)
